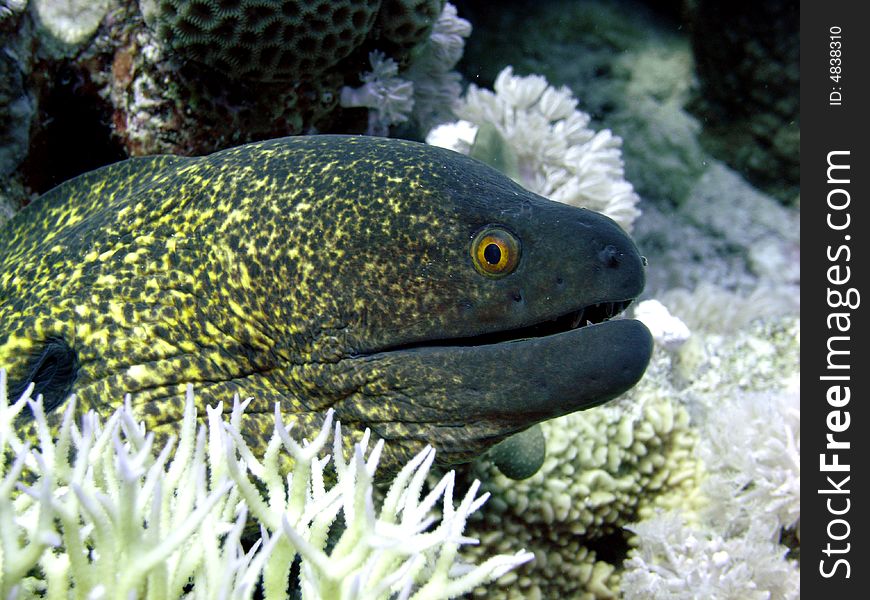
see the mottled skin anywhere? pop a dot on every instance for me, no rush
(316, 272)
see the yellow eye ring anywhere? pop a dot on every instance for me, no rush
(495, 251)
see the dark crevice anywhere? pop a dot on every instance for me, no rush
(73, 134)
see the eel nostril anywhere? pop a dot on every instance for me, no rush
(609, 256)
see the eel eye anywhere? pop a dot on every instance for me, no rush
(495, 251)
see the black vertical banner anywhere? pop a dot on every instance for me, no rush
(835, 353)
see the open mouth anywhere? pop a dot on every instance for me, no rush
(589, 315)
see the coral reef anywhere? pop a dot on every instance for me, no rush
(104, 510)
(637, 73)
(747, 410)
(662, 449)
(747, 58)
(296, 75)
(209, 74)
(726, 232)
(643, 498)
(428, 89)
(557, 154)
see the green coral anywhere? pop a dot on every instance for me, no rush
(407, 23)
(286, 40)
(747, 59)
(263, 40)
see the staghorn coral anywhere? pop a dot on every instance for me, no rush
(558, 155)
(105, 514)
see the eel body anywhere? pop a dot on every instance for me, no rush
(416, 291)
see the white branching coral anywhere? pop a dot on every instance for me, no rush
(559, 155)
(760, 487)
(388, 97)
(426, 91)
(684, 563)
(437, 86)
(744, 398)
(96, 510)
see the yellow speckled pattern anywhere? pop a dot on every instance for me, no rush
(311, 272)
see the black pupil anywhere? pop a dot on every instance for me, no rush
(492, 254)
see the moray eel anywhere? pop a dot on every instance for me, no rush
(414, 290)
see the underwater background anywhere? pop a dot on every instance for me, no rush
(679, 120)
